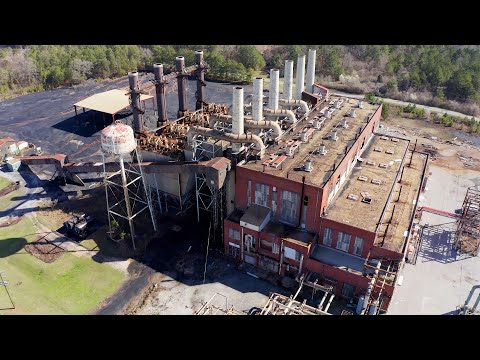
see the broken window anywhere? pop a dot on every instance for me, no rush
(348, 291)
(262, 193)
(289, 207)
(358, 246)
(327, 237)
(343, 241)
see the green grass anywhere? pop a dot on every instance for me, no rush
(6, 200)
(70, 285)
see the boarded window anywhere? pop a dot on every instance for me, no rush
(358, 246)
(267, 245)
(262, 193)
(233, 234)
(343, 241)
(289, 207)
(327, 237)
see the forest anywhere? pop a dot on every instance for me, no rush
(447, 76)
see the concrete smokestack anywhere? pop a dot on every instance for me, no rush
(160, 92)
(200, 79)
(312, 58)
(237, 116)
(135, 94)
(257, 99)
(274, 89)
(288, 80)
(300, 77)
(182, 85)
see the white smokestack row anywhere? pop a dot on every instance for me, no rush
(288, 80)
(257, 99)
(300, 77)
(274, 89)
(237, 116)
(312, 57)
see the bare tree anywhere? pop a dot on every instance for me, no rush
(81, 70)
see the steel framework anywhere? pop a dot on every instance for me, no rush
(467, 237)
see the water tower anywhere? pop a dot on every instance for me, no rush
(126, 193)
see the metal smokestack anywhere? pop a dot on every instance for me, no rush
(312, 58)
(160, 92)
(274, 89)
(237, 116)
(257, 99)
(300, 77)
(135, 95)
(200, 79)
(182, 85)
(288, 80)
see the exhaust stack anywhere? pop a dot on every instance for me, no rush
(135, 95)
(312, 58)
(288, 80)
(299, 85)
(160, 92)
(200, 79)
(237, 115)
(257, 99)
(182, 85)
(274, 89)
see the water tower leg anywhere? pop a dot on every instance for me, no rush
(127, 202)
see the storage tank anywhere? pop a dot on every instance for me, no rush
(118, 139)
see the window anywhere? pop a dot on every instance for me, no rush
(343, 241)
(348, 290)
(249, 193)
(233, 249)
(250, 241)
(267, 245)
(262, 193)
(304, 211)
(327, 237)
(274, 201)
(358, 246)
(275, 248)
(233, 234)
(292, 254)
(289, 207)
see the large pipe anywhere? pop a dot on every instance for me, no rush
(160, 92)
(182, 85)
(288, 80)
(135, 95)
(274, 89)
(294, 103)
(237, 115)
(200, 79)
(300, 77)
(281, 113)
(257, 99)
(249, 123)
(231, 137)
(312, 58)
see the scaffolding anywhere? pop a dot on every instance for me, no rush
(467, 237)
(210, 308)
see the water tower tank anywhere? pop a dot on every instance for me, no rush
(118, 139)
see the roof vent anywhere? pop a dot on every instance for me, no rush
(344, 123)
(377, 149)
(352, 197)
(383, 137)
(322, 150)
(367, 200)
(353, 113)
(333, 135)
(317, 123)
(376, 181)
(370, 162)
(308, 165)
(384, 166)
(360, 104)
(362, 178)
(389, 151)
(394, 139)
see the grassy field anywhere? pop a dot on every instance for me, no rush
(5, 201)
(70, 285)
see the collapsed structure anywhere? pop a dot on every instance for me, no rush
(297, 183)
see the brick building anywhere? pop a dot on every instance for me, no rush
(333, 198)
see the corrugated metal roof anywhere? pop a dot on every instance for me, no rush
(109, 102)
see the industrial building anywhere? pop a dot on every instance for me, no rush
(294, 182)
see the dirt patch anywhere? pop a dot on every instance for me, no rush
(44, 250)
(9, 221)
(7, 190)
(149, 292)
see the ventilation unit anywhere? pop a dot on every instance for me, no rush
(322, 150)
(377, 149)
(389, 151)
(394, 139)
(290, 150)
(352, 197)
(362, 178)
(333, 135)
(376, 181)
(344, 123)
(384, 166)
(360, 104)
(367, 200)
(383, 137)
(308, 166)
(370, 162)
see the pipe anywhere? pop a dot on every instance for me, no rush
(135, 95)
(294, 103)
(370, 288)
(288, 80)
(300, 77)
(274, 89)
(249, 123)
(182, 85)
(257, 99)
(237, 116)
(281, 113)
(231, 137)
(200, 72)
(160, 92)
(312, 57)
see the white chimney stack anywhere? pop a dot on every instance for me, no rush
(300, 77)
(257, 99)
(312, 57)
(237, 116)
(274, 89)
(288, 80)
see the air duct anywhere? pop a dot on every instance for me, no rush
(274, 89)
(135, 95)
(182, 85)
(312, 58)
(200, 72)
(257, 99)
(288, 80)
(249, 123)
(160, 92)
(237, 115)
(300, 77)
(294, 103)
